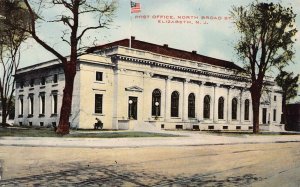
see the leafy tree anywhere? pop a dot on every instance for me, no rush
(266, 40)
(75, 29)
(289, 84)
(13, 16)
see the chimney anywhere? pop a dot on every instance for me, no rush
(194, 52)
(132, 37)
(166, 45)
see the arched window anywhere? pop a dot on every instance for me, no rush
(156, 96)
(174, 104)
(246, 114)
(221, 108)
(206, 108)
(234, 108)
(191, 106)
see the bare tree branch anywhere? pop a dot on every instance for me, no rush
(34, 35)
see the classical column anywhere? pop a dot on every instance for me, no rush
(147, 96)
(185, 100)
(168, 98)
(271, 108)
(116, 97)
(241, 107)
(228, 104)
(199, 103)
(215, 105)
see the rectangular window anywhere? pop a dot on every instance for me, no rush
(274, 115)
(275, 98)
(31, 104)
(55, 78)
(264, 116)
(42, 103)
(21, 84)
(31, 82)
(43, 81)
(98, 103)
(54, 103)
(21, 106)
(99, 76)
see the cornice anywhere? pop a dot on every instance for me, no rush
(179, 68)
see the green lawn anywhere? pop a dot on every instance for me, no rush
(48, 132)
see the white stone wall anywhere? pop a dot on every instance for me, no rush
(123, 78)
(88, 88)
(49, 86)
(48, 118)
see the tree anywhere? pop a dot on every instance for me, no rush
(101, 10)
(266, 40)
(13, 16)
(289, 84)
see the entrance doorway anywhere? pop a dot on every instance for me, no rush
(264, 116)
(132, 107)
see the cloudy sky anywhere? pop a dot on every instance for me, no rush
(215, 37)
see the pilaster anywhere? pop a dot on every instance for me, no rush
(199, 103)
(229, 104)
(215, 104)
(242, 111)
(185, 100)
(168, 98)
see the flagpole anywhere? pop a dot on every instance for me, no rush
(130, 25)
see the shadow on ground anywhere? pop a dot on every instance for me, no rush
(80, 174)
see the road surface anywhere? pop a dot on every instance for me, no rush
(263, 164)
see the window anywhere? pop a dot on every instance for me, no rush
(206, 108)
(21, 106)
(275, 98)
(156, 97)
(54, 102)
(98, 103)
(21, 84)
(247, 105)
(31, 82)
(43, 81)
(55, 78)
(234, 109)
(31, 104)
(274, 115)
(221, 108)
(99, 76)
(175, 104)
(42, 103)
(191, 106)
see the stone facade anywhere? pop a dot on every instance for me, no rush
(145, 86)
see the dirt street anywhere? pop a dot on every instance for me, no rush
(276, 164)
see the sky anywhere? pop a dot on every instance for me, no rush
(211, 37)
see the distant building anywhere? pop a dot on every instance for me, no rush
(145, 86)
(293, 117)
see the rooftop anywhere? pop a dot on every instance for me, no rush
(168, 51)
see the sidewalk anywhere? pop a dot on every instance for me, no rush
(189, 139)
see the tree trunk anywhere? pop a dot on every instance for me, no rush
(4, 112)
(70, 71)
(255, 91)
(255, 108)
